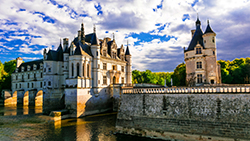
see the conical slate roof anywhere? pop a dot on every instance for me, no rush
(197, 37)
(127, 51)
(208, 29)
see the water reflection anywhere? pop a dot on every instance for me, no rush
(29, 126)
(20, 110)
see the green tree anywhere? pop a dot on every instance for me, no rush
(179, 76)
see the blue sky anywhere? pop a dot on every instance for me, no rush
(157, 30)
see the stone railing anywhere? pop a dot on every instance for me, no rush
(182, 90)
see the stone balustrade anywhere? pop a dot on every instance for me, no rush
(184, 90)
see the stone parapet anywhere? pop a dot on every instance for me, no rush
(184, 90)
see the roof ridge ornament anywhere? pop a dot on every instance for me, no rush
(94, 29)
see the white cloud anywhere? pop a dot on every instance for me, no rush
(125, 17)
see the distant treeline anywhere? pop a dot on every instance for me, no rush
(6, 69)
(151, 77)
(232, 72)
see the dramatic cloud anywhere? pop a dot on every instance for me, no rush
(157, 30)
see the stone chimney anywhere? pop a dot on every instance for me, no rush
(19, 61)
(65, 43)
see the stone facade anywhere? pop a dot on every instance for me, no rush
(188, 113)
(201, 58)
(77, 74)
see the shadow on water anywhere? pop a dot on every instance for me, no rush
(25, 123)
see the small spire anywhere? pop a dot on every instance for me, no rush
(198, 22)
(127, 43)
(207, 21)
(60, 40)
(113, 36)
(94, 29)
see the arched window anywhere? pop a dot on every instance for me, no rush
(28, 85)
(72, 70)
(88, 70)
(77, 69)
(83, 70)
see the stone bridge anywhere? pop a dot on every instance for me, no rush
(28, 98)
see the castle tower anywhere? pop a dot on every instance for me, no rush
(95, 50)
(128, 58)
(209, 37)
(201, 58)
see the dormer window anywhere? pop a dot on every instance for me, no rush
(34, 67)
(22, 69)
(198, 50)
(28, 68)
(41, 66)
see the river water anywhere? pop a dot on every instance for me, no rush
(28, 123)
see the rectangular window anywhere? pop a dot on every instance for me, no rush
(16, 86)
(199, 78)
(199, 65)
(34, 75)
(122, 80)
(28, 85)
(198, 50)
(104, 66)
(32, 85)
(122, 68)
(20, 85)
(41, 84)
(44, 69)
(105, 80)
(41, 75)
(16, 77)
(49, 69)
(28, 76)
(104, 53)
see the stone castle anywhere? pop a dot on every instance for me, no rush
(201, 57)
(76, 74)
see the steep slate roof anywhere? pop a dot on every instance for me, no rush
(208, 29)
(94, 40)
(60, 53)
(85, 48)
(127, 51)
(197, 38)
(52, 55)
(66, 50)
(31, 63)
